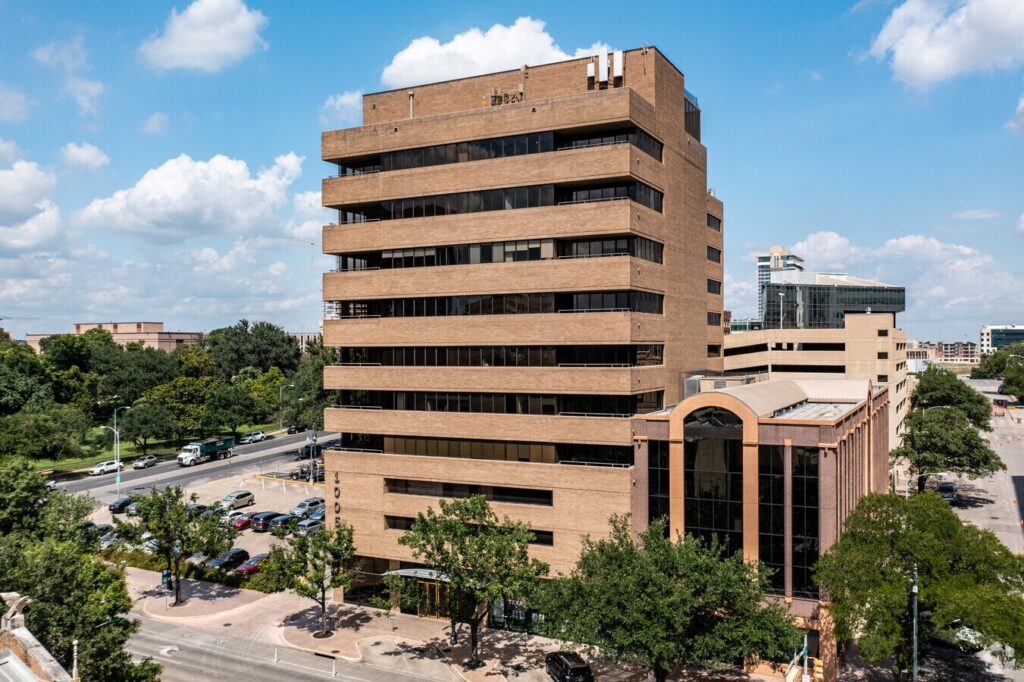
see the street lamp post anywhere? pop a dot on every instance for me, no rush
(117, 449)
(312, 455)
(913, 601)
(280, 399)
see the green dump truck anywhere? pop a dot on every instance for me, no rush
(201, 451)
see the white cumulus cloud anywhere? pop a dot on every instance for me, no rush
(309, 217)
(9, 151)
(474, 52)
(14, 104)
(155, 123)
(929, 41)
(1016, 122)
(976, 214)
(28, 217)
(184, 198)
(1020, 223)
(345, 108)
(85, 93)
(208, 35)
(70, 55)
(84, 155)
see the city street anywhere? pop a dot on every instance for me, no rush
(189, 654)
(270, 455)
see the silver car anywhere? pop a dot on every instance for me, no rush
(239, 498)
(308, 526)
(144, 462)
(307, 506)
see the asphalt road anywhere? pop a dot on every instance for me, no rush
(188, 654)
(168, 472)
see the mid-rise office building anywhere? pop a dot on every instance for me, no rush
(820, 300)
(149, 334)
(776, 260)
(525, 260)
(772, 468)
(996, 336)
(866, 346)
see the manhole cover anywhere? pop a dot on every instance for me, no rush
(335, 651)
(227, 625)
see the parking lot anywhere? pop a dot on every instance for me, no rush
(272, 494)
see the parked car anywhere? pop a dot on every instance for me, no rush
(260, 523)
(108, 467)
(144, 462)
(193, 509)
(301, 473)
(120, 504)
(308, 526)
(251, 565)
(307, 506)
(227, 517)
(146, 537)
(319, 514)
(151, 546)
(567, 666)
(252, 437)
(96, 530)
(229, 559)
(948, 491)
(132, 509)
(51, 485)
(197, 558)
(309, 452)
(239, 498)
(243, 520)
(284, 523)
(297, 428)
(960, 636)
(110, 539)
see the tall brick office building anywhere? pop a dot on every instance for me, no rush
(526, 260)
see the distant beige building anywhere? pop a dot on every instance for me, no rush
(149, 334)
(868, 346)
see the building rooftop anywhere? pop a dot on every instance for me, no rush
(835, 279)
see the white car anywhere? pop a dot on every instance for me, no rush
(252, 437)
(108, 467)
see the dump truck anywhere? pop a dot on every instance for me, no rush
(201, 451)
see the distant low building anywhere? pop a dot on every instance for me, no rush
(304, 339)
(22, 657)
(996, 336)
(820, 300)
(149, 334)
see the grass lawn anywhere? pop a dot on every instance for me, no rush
(128, 452)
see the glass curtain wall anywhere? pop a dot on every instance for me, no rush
(713, 483)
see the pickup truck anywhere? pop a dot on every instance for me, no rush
(201, 451)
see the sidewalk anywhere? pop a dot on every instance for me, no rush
(409, 644)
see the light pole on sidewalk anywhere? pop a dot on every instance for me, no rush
(117, 449)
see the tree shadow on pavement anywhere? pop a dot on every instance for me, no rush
(205, 591)
(942, 663)
(970, 496)
(308, 619)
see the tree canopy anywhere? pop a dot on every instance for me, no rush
(482, 558)
(939, 387)
(660, 603)
(148, 421)
(966, 577)
(943, 440)
(313, 565)
(261, 345)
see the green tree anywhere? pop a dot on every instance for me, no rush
(24, 378)
(29, 511)
(263, 389)
(941, 388)
(943, 440)
(1013, 375)
(483, 558)
(261, 345)
(966, 576)
(146, 422)
(193, 360)
(186, 398)
(178, 534)
(661, 603)
(139, 370)
(313, 565)
(53, 432)
(230, 405)
(64, 351)
(993, 365)
(76, 596)
(309, 385)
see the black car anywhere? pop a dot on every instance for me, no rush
(567, 666)
(229, 559)
(119, 505)
(297, 428)
(308, 452)
(260, 523)
(96, 530)
(285, 523)
(193, 509)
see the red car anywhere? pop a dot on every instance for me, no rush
(243, 521)
(251, 566)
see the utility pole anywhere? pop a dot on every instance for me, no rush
(312, 456)
(913, 606)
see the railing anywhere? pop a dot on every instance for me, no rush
(355, 269)
(591, 201)
(358, 407)
(595, 414)
(594, 310)
(591, 144)
(597, 255)
(596, 364)
(352, 175)
(343, 448)
(598, 464)
(355, 364)
(356, 317)
(357, 222)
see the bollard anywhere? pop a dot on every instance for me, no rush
(334, 670)
(275, 654)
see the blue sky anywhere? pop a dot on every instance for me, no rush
(165, 166)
